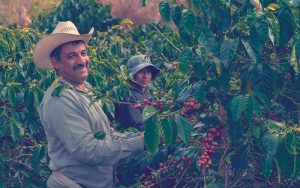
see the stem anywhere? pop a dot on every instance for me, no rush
(170, 114)
(204, 178)
(167, 39)
(226, 177)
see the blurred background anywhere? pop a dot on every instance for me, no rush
(22, 12)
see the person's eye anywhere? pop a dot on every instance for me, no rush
(71, 56)
(84, 53)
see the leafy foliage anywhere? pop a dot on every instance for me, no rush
(225, 108)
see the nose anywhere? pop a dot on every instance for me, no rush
(146, 74)
(83, 59)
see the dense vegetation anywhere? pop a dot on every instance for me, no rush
(226, 106)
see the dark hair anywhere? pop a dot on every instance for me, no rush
(56, 52)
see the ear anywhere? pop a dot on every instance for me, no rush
(54, 62)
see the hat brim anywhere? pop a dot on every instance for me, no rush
(44, 47)
(155, 71)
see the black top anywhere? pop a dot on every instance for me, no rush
(126, 114)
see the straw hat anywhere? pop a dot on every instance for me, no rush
(139, 62)
(64, 32)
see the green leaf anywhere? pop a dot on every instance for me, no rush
(3, 129)
(143, 3)
(270, 142)
(151, 136)
(263, 99)
(188, 20)
(176, 14)
(184, 94)
(215, 185)
(287, 162)
(297, 51)
(39, 93)
(174, 131)
(256, 131)
(190, 151)
(2, 185)
(167, 131)
(57, 91)
(263, 79)
(256, 108)
(274, 26)
(4, 47)
(237, 106)
(16, 130)
(36, 156)
(164, 10)
(276, 126)
(259, 33)
(292, 144)
(251, 53)
(199, 92)
(100, 135)
(184, 128)
(287, 27)
(29, 98)
(248, 107)
(268, 166)
(228, 51)
(11, 95)
(185, 59)
(148, 113)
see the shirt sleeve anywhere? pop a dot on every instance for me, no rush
(126, 134)
(67, 120)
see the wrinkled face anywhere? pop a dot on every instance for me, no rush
(143, 77)
(73, 64)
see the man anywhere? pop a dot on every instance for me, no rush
(78, 156)
(141, 72)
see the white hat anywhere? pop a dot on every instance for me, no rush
(64, 32)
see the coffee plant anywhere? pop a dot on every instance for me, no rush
(224, 112)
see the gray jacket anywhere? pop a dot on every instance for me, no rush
(70, 123)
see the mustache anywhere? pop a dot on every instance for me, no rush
(78, 66)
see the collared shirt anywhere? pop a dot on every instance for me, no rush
(126, 114)
(70, 122)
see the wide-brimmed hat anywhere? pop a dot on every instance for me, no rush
(139, 62)
(64, 32)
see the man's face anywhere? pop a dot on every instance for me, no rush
(73, 64)
(143, 77)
